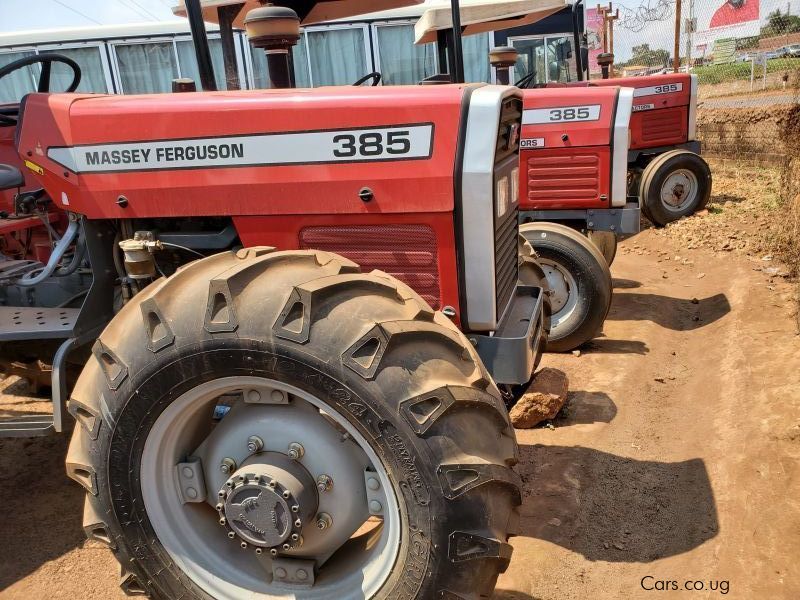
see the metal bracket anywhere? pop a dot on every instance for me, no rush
(191, 481)
(293, 572)
(376, 499)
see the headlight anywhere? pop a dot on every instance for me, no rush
(502, 195)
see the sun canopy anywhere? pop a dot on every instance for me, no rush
(309, 11)
(479, 16)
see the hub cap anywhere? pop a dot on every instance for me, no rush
(564, 291)
(266, 505)
(679, 190)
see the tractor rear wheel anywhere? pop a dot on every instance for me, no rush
(674, 185)
(606, 243)
(269, 424)
(579, 282)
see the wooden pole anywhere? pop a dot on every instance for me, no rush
(611, 19)
(676, 58)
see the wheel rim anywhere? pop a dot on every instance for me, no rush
(357, 550)
(563, 291)
(679, 190)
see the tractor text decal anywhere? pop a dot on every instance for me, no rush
(541, 116)
(654, 90)
(388, 143)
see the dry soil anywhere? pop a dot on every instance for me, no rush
(675, 458)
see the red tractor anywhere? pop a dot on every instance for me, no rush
(257, 417)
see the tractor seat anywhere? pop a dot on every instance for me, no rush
(10, 177)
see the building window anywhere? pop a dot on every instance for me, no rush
(476, 58)
(20, 82)
(93, 74)
(401, 61)
(187, 59)
(146, 68)
(337, 56)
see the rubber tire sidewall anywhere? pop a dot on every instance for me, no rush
(656, 173)
(606, 243)
(577, 255)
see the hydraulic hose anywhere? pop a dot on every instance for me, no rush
(77, 258)
(55, 258)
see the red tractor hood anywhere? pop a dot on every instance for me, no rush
(246, 153)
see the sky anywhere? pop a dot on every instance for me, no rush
(22, 15)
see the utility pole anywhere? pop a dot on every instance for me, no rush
(676, 59)
(610, 20)
(607, 36)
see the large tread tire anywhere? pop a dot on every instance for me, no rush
(422, 400)
(655, 175)
(606, 243)
(574, 254)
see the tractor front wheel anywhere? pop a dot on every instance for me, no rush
(579, 283)
(674, 185)
(269, 424)
(606, 243)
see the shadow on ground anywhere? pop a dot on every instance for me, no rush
(625, 284)
(613, 508)
(608, 346)
(585, 408)
(512, 595)
(42, 507)
(678, 314)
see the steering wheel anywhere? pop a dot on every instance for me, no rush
(46, 60)
(375, 76)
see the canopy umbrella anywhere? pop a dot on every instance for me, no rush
(309, 11)
(480, 16)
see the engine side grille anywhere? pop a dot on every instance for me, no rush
(571, 177)
(408, 252)
(505, 257)
(664, 125)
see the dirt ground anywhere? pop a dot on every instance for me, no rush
(674, 460)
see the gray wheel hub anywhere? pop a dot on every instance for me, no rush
(267, 504)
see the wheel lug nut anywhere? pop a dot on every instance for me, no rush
(295, 451)
(324, 521)
(259, 550)
(295, 537)
(220, 506)
(295, 508)
(243, 545)
(231, 534)
(222, 521)
(324, 483)
(286, 546)
(286, 494)
(298, 523)
(227, 466)
(254, 444)
(273, 552)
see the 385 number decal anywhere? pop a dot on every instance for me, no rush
(560, 114)
(570, 114)
(372, 144)
(653, 90)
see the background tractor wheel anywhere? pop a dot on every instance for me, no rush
(606, 243)
(264, 424)
(532, 273)
(674, 184)
(579, 281)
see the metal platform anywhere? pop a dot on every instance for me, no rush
(26, 426)
(33, 323)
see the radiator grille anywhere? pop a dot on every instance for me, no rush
(505, 260)
(406, 251)
(663, 125)
(571, 177)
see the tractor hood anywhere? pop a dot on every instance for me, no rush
(246, 152)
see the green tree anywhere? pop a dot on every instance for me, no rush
(643, 54)
(779, 24)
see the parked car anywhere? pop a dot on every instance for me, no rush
(789, 51)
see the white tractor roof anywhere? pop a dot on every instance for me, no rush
(479, 16)
(315, 11)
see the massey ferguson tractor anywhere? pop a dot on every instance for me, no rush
(255, 415)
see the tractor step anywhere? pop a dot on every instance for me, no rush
(26, 426)
(35, 323)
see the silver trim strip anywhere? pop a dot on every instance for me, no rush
(477, 210)
(619, 165)
(693, 109)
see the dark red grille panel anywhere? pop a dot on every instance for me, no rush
(406, 251)
(664, 125)
(571, 177)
